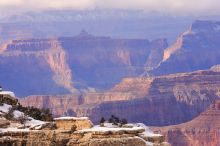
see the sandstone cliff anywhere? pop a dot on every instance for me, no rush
(35, 66)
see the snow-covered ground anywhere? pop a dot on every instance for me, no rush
(4, 108)
(147, 131)
(71, 118)
(14, 126)
(37, 124)
(128, 127)
(7, 93)
(98, 128)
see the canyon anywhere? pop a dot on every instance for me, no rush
(136, 79)
(162, 100)
(75, 64)
(84, 63)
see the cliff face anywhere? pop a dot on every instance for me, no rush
(195, 49)
(203, 130)
(101, 62)
(61, 65)
(56, 58)
(162, 100)
(84, 134)
(35, 66)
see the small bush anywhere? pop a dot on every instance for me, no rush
(22, 119)
(73, 128)
(102, 120)
(38, 114)
(8, 100)
(117, 121)
(124, 121)
(10, 114)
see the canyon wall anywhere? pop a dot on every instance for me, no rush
(195, 49)
(87, 63)
(68, 64)
(162, 100)
(203, 130)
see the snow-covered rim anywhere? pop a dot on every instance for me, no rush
(106, 129)
(30, 122)
(71, 118)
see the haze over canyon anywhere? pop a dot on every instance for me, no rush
(160, 70)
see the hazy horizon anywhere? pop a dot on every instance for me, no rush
(173, 7)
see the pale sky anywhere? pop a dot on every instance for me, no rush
(169, 6)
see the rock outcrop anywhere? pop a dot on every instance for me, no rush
(204, 130)
(66, 123)
(67, 138)
(84, 136)
(20, 126)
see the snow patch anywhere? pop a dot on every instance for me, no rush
(147, 132)
(72, 118)
(149, 143)
(5, 108)
(30, 122)
(17, 114)
(110, 125)
(7, 93)
(98, 128)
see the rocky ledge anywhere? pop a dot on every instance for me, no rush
(107, 134)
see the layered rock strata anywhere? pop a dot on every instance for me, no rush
(141, 99)
(203, 130)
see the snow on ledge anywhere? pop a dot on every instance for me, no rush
(71, 118)
(7, 93)
(97, 128)
(147, 132)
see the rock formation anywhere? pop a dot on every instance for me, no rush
(203, 130)
(63, 65)
(85, 62)
(195, 49)
(20, 126)
(141, 99)
(108, 137)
